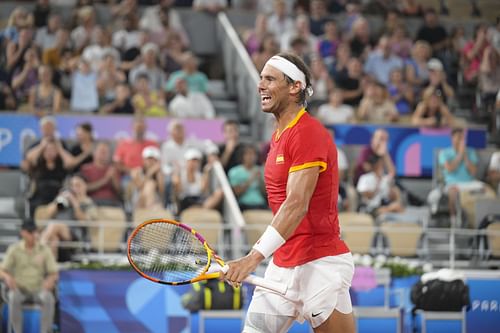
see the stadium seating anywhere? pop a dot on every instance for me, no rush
(358, 231)
(208, 222)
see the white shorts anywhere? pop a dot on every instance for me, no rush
(315, 289)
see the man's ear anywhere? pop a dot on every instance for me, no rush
(295, 88)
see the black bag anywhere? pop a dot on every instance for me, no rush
(439, 295)
(213, 295)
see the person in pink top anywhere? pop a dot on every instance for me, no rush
(128, 153)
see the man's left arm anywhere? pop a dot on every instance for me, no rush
(470, 161)
(52, 271)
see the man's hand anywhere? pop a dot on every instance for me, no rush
(10, 282)
(49, 284)
(239, 269)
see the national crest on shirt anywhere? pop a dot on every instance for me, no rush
(280, 159)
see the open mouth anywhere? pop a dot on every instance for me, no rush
(265, 99)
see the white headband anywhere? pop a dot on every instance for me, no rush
(291, 70)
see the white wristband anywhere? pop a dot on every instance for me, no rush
(270, 241)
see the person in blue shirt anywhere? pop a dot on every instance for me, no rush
(459, 165)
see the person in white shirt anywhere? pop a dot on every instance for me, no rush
(190, 104)
(46, 36)
(151, 21)
(378, 193)
(493, 176)
(335, 111)
(279, 22)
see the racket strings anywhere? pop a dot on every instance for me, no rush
(168, 252)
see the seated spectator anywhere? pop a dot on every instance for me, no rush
(433, 32)
(191, 186)
(302, 30)
(437, 80)
(148, 182)
(376, 106)
(432, 112)
(45, 98)
(71, 204)
(190, 104)
(318, 16)
(128, 153)
(473, 53)
(19, 18)
(16, 50)
(102, 177)
(489, 80)
(149, 65)
(378, 193)
(7, 99)
(352, 83)
(52, 56)
(321, 82)
(335, 111)
(94, 52)
(338, 67)
(108, 77)
(30, 272)
(382, 61)
(45, 37)
(247, 181)
(122, 103)
(279, 21)
(84, 95)
(360, 40)
(210, 6)
(232, 148)
(26, 77)
(129, 36)
(146, 100)
(329, 42)
(84, 146)
(172, 54)
(411, 8)
(459, 167)
(268, 48)
(402, 94)
(376, 149)
(87, 30)
(401, 44)
(416, 67)
(196, 80)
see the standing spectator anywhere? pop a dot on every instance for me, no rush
(45, 98)
(376, 149)
(190, 104)
(84, 96)
(108, 77)
(128, 153)
(87, 30)
(433, 33)
(329, 42)
(71, 204)
(147, 101)
(30, 272)
(45, 37)
(95, 51)
(196, 80)
(432, 111)
(129, 36)
(376, 106)
(351, 83)
(247, 181)
(149, 66)
(84, 146)
(381, 61)
(103, 179)
(41, 13)
(148, 181)
(230, 150)
(473, 53)
(279, 22)
(401, 92)
(172, 53)
(335, 111)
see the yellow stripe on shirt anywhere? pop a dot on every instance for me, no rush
(322, 166)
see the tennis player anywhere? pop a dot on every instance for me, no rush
(301, 175)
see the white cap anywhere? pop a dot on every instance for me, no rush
(192, 154)
(435, 64)
(151, 151)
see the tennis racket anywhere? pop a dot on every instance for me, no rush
(169, 252)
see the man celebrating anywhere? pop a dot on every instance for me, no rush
(301, 176)
(30, 272)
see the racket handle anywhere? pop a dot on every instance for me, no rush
(271, 285)
(261, 282)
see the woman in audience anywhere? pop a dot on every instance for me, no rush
(83, 149)
(148, 181)
(247, 181)
(327, 46)
(19, 18)
(15, 52)
(473, 53)
(376, 106)
(401, 44)
(108, 77)
(45, 98)
(26, 77)
(71, 204)
(401, 93)
(335, 111)
(416, 71)
(146, 101)
(432, 111)
(253, 38)
(172, 53)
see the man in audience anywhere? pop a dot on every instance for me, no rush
(148, 181)
(434, 33)
(103, 179)
(381, 61)
(30, 272)
(352, 83)
(149, 65)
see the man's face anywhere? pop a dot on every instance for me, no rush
(457, 139)
(231, 132)
(29, 237)
(274, 90)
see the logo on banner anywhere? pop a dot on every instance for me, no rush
(485, 305)
(5, 137)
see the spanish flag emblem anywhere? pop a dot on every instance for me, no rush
(280, 159)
